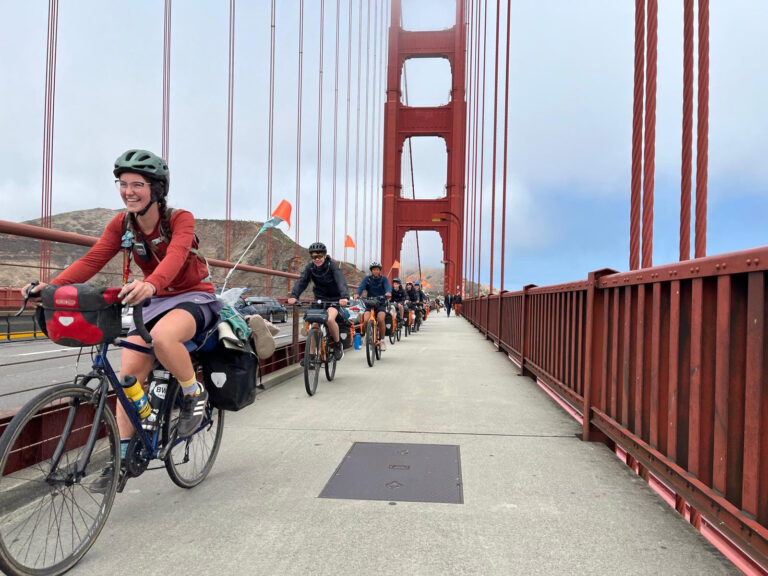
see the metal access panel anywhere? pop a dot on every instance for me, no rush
(398, 472)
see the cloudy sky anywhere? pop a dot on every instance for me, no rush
(570, 120)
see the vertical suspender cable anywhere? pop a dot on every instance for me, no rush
(230, 112)
(365, 139)
(493, 171)
(687, 156)
(48, 132)
(504, 175)
(357, 129)
(271, 141)
(649, 161)
(637, 137)
(335, 131)
(346, 164)
(377, 181)
(298, 131)
(467, 194)
(374, 75)
(702, 132)
(482, 153)
(320, 120)
(474, 153)
(167, 79)
(413, 181)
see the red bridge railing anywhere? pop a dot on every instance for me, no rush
(666, 364)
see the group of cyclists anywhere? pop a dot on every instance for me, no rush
(329, 284)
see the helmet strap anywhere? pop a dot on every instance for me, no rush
(146, 208)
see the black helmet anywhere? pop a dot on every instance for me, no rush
(145, 163)
(318, 247)
(396, 280)
(374, 264)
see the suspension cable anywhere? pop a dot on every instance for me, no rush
(357, 129)
(230, 112)
(365, 139)
(298, 131)
(637, 137)
(702, 132)
(346, 163)
(335, 131)
(506, 134)
(649, 160)
(493, 161)
(482, 153)
(271, 141)
(320, 121)
(687, 155)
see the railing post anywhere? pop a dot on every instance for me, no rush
(499, 347)
(295, 335)
(524, 327)
(593, 352)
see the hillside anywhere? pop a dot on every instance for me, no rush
(20, 257)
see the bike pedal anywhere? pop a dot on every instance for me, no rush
(122, 481)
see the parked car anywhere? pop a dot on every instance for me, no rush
(266, 307)
(356, 308)
(127, 320)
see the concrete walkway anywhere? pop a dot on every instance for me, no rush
(537, 500)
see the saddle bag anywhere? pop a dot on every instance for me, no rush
(79, 314)
(231, 375)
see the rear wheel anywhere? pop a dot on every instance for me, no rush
(51, 517)
(370, 346)
(191, 459)
(312, 362)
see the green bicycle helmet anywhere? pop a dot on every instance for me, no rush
(143, 162)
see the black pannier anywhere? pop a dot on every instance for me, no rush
(231, 376)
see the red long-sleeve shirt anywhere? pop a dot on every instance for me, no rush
(178, 269)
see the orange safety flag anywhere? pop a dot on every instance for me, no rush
(283, 211)
(396, 264)
(410, 279)
(349, 243)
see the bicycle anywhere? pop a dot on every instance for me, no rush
(60, 464)
(397, 325)
(372, 340)
(317, 349)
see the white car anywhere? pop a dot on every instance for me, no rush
(127, 320)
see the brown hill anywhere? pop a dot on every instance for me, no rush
(20, 257)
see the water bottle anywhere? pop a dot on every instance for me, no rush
(357, 340)
(158, 388)
(135, 393)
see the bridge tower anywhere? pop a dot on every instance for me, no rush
(444, 215)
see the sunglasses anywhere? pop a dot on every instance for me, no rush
(317, 256)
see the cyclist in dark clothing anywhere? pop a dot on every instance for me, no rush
(399, 295)
(328, 283)
(413, 295)
(420, 292)
(376, 285)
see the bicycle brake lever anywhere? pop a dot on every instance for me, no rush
(27, 297)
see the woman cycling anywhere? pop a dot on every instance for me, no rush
(176, 280)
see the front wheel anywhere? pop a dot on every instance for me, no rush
(330, 362)
(370, 345)
(50, 516)
(190, 460)
(312, 362)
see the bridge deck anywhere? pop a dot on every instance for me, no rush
(537, 500)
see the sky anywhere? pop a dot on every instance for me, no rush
(570, 121)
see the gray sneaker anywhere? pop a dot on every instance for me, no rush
(192, 412)
(339, 350)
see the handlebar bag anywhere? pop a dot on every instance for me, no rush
(316, 315)
(79, 314)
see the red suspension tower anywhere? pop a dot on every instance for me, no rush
(445, 215)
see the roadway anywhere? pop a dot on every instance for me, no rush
(536, 499)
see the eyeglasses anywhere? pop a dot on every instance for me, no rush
(135, 186)
(317, 256)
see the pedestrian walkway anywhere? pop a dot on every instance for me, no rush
(536, 499)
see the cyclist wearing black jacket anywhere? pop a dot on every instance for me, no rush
(328, 283)
(413, 295)
(399, 295)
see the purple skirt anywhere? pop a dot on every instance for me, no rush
(207, 302)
